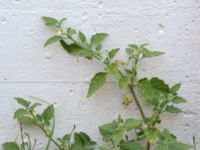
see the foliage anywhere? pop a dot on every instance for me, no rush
(116, 134)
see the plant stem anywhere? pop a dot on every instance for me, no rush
(22, 136)
(148, 146)
(50, 137)
(136, 101)
(44, 130)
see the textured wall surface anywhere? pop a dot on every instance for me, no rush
(28, 69)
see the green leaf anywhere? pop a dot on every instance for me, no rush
(133, 46)
(159, 84)
(35, 105)
(175, 88)
(22, 101)
(52, 40)
(71, 31)
(82, 37)
(50, 21)
(178, 100)
(107, 130)
(131, 145)
(179, 146)
(23, 116)
(99, 47)
(148, 54)
(61, 21)
(129, 51)
(10, 146)
(84, 137)
(113, 69)
(123, 82)
(145, 88)
(113, 52)
(132, 123)
(48, 113)
(20, 113)
(98, 38)
(73, 48)
(87, 53)
(151, 134)
(172, 109)
(97, 82)
(167, 141)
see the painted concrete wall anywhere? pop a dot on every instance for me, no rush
(28, 69)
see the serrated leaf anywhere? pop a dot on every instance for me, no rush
(20, 113)
(172, 109)
(159, 84)
(113, 52)
(52, 40)
(97, 82)
(151, 134)
(82, 37)
(107, 130)
(175, 88)
(32, 107)
(178, 100)
(10, 146)
(73, 48)
(148, 54)
(133, 46)
(145, 88)
(130, 124)
(129, 51)
(179, 146)
(50, 21)
(48, 113)
(123, 82)
(24, 117)
(113, 69)
(22, 101)
(98, 38)
(86, 53)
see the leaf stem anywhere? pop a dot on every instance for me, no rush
(44, 130)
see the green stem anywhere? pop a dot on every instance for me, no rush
(50, 137)
(136, 101)
(148, 146)
(22, 136)
(44, 130)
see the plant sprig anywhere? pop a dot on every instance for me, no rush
(155, 91)
(161, 96)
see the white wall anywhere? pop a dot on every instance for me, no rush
(28, 69)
